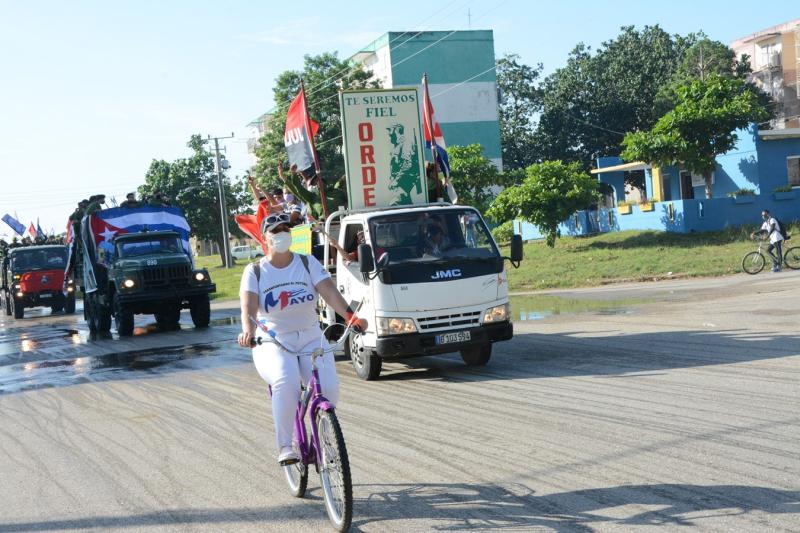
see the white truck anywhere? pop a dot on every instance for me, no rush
(431, 278)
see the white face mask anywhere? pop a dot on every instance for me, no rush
(282, 241)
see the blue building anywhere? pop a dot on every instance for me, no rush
(674, 199)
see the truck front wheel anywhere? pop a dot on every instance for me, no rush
(366, 364)
(477, 356)
(200, 309)
(123, 319)
(17, 307)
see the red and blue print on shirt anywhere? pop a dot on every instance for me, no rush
(286, 298)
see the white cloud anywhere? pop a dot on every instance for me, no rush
(310, 32)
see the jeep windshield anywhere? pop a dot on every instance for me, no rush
(49, 259)
(155, 245)
(435, 235)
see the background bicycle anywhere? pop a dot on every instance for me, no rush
(755, 261)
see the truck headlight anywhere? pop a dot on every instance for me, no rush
(200, 276)
(395, 326)
(128, 283)
(20, 294)
(498, 313)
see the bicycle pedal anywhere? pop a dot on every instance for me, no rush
(287, 462)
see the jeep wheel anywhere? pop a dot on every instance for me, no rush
(366, 364)
(69, 305)
(123, 319)
(17, 307)
(200, 309)
(477, 356)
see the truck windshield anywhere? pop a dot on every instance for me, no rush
(26, 260)
(157, 245)
(432, 235)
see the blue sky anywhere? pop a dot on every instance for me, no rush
(93, 91)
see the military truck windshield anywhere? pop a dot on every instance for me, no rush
(42, 259)
(432, 235)
(156, 245)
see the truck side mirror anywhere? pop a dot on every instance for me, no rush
(366, 263)
(516, 248)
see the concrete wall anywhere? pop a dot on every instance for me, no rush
(772, 162)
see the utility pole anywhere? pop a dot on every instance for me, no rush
(223, 209)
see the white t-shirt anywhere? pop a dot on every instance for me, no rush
(774, 236)
(287, 297)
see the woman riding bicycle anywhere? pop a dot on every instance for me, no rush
(283, 296)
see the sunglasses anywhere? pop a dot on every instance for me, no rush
(281, 218)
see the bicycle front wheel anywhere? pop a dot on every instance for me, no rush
(753, 262)
(792, 258)
(334, 471)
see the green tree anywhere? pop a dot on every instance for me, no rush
(191, 184)
(550, 193)
(589, 103)
(520, 100)
(702, 60)
(700, 127)
(473, 175)
(324, 76)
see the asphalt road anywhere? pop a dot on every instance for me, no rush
(680, 410)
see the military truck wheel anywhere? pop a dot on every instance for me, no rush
(200, 309)
(17, 307)
(169, 320)
(69, 306)
(477, 356)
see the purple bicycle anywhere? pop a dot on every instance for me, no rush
(325, 449)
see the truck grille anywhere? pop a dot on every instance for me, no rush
(461, 320)
(166, 276)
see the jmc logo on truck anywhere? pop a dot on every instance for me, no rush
(447, 274)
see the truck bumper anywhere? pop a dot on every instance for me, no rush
(44, 299)
(418, 344)
(166, 294)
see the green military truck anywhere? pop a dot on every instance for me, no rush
(137, 261)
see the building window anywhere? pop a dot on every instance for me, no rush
(793, 170)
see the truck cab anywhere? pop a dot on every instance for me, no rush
(34, 276)
(431, 279)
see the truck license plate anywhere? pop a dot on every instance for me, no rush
(448, 338)
(45, 295)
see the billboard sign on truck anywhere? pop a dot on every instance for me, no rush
(383, 147)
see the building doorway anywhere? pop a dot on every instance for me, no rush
(687, 190)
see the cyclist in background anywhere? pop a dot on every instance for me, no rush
(281, 291)
(772, 229)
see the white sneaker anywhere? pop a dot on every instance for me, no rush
(287, 456)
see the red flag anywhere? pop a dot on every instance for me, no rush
(299, 146)
(32, 231)
(250, 225)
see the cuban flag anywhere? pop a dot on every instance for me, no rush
(109, 223)
(434, 140)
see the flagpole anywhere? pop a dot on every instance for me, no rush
(429, 119)
(320, 182)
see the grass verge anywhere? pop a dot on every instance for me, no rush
(589, 261)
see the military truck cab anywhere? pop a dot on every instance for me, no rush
(33, 276)
(143, 272)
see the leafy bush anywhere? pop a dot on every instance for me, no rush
(503, 233)
(743, 192)
(785, 188)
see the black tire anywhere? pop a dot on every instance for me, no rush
(792, 258)
(753, 262)
(334, 471)
(17, 308)
(296, 478)
(200, 309)
(69, 305)
(366, 364)
(169, 320)
(123, 320)
(477, 356)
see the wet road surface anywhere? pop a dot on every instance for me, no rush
(665, 405)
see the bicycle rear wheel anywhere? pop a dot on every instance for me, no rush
(334, 471)
(792, 258)
(296, 478)
(753, 262)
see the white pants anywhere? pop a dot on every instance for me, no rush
(284, 372)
